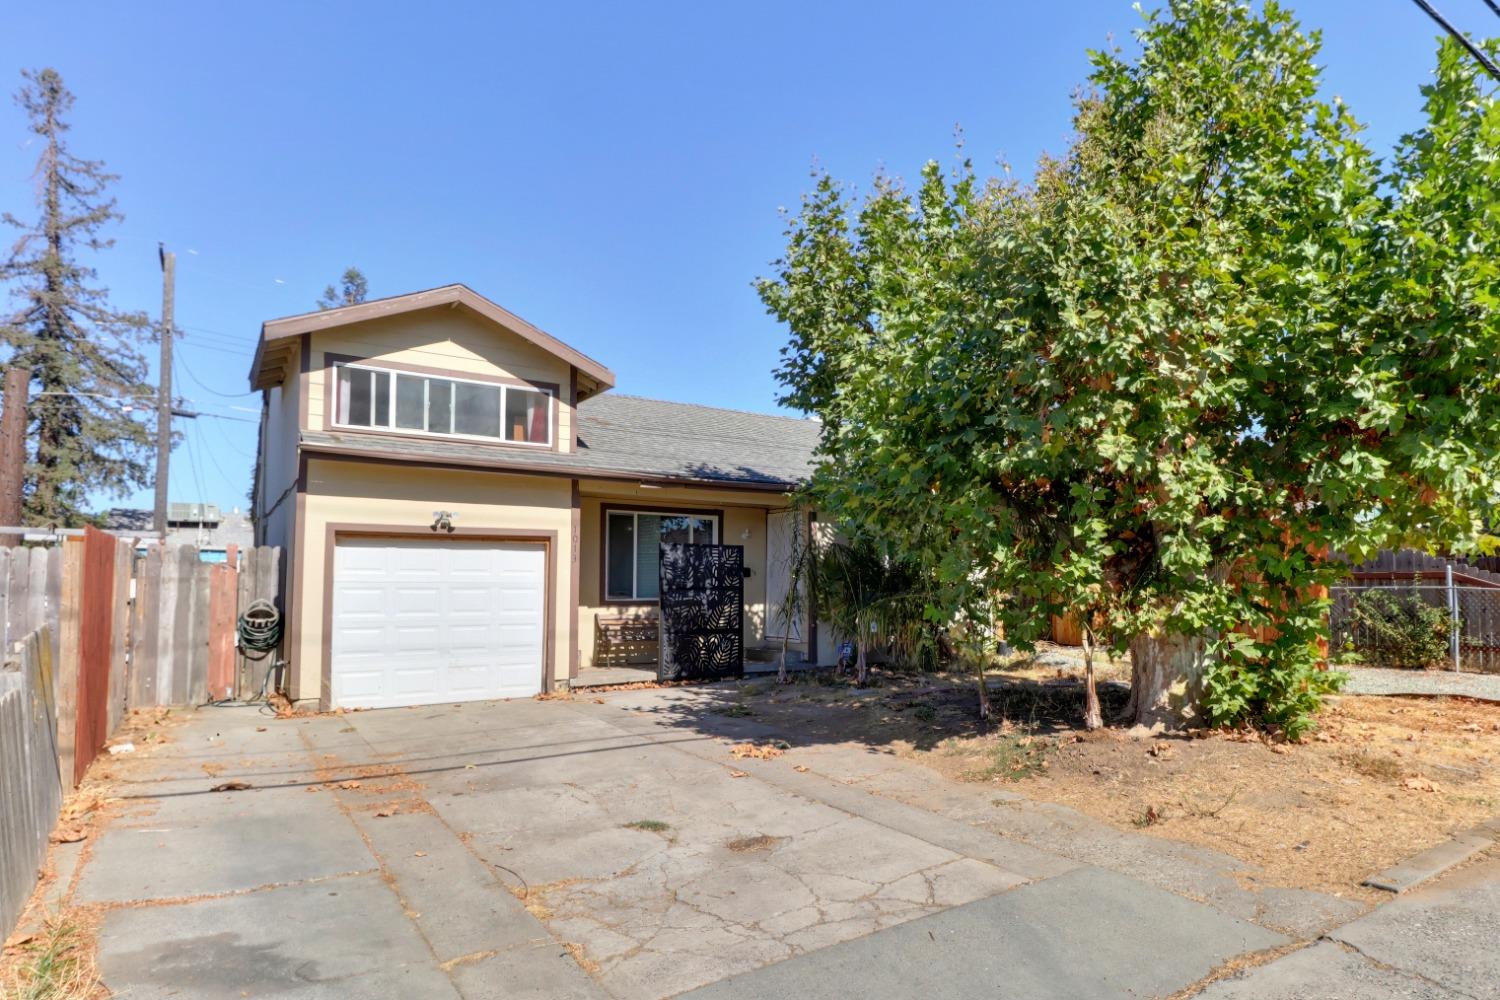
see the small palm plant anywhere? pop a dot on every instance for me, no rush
(871, 597)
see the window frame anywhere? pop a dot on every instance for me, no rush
(605, 510)
(334, 416)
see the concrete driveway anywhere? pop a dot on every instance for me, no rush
(616, 849)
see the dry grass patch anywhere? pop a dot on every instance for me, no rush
(1379, 780)
(55, 963)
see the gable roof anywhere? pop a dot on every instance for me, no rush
(629, 437)
(280, 338)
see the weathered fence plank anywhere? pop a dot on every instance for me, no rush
(195, 690)
(119, 638)
(96, 593)
(144, 663)
(70, 586)
(30, 789)
(222, 601)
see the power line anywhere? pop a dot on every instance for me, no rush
(194, 376)
(1461, 38)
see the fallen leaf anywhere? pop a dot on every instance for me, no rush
(231, 786)
(800, 768)
(1160, 750)
(1419, 783)
(598, 701)
(68, 835)
(738, 774)
(761, 751)
(260, 729)
(348, 785)
(419, 854)
(383, 813)
(314, 788)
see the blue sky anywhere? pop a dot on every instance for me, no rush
(613, 173)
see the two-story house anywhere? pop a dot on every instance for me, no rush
(465, 509)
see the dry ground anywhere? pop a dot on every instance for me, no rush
(1378, 780)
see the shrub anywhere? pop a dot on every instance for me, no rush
(1400, 630)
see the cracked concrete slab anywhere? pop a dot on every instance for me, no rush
(235, 841)
(1444, 932)
(1329, 972)
(1086, 934)
(338, 938)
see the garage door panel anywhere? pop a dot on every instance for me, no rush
(422, 621)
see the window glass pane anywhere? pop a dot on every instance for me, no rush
(440, 406)
(476, 409)
(676, 530)
(382, 399)
(354, 396)
(527, 413)
(620, 555)
(411, 396)
(648, 556)
(703, 530)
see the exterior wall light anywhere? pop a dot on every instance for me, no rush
(442, 520)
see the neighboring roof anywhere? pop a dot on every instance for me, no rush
(279, 338)
(629, 437)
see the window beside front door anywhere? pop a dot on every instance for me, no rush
(632, 549)
(425, 404)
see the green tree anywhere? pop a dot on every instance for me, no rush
(353, 287)
(1155, 387)
(88, 370)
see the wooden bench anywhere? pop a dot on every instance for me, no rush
(625, 640)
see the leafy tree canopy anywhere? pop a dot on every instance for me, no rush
(1156, 387)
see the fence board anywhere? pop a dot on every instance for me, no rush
(196, 688)
(95, 631)
(30, 790)
(144, 663)
(69, 585)
(119, 639)
(222, 600)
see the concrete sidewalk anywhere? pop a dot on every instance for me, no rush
(1437, 943)
(582, 849)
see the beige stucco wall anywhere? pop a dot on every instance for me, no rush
(744, 524)
(347, 492)
(446, 338)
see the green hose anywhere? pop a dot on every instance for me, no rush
(259, 627)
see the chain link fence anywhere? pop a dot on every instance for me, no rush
(1472, 628)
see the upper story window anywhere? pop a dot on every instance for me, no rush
(397, 401)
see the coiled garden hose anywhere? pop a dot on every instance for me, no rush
(259, 627)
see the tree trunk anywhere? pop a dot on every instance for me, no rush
(1093, 718)
(781, 675)
(1166, 680)
(861, 668)
(984, 690)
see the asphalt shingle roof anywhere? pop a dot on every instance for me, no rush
(651, 438)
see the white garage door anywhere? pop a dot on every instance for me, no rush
(419, 621)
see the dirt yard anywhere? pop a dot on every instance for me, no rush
(1379, 779)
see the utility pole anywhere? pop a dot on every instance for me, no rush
(13, 450)
(164, 390)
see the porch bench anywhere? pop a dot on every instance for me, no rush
(625, 640)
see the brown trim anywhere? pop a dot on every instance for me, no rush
(332, 361)
(291, 326)
(333, 529)
(293, 609)
(604, 511)
(564, 471)
(304, 382)
(575, 567)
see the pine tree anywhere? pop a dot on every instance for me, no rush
(351, 291)
(88, 370)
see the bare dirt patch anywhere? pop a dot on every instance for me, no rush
(1378, 780)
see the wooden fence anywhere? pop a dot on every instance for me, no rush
(31, 788)
(92, 629)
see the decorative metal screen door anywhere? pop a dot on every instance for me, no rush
(702, 611)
